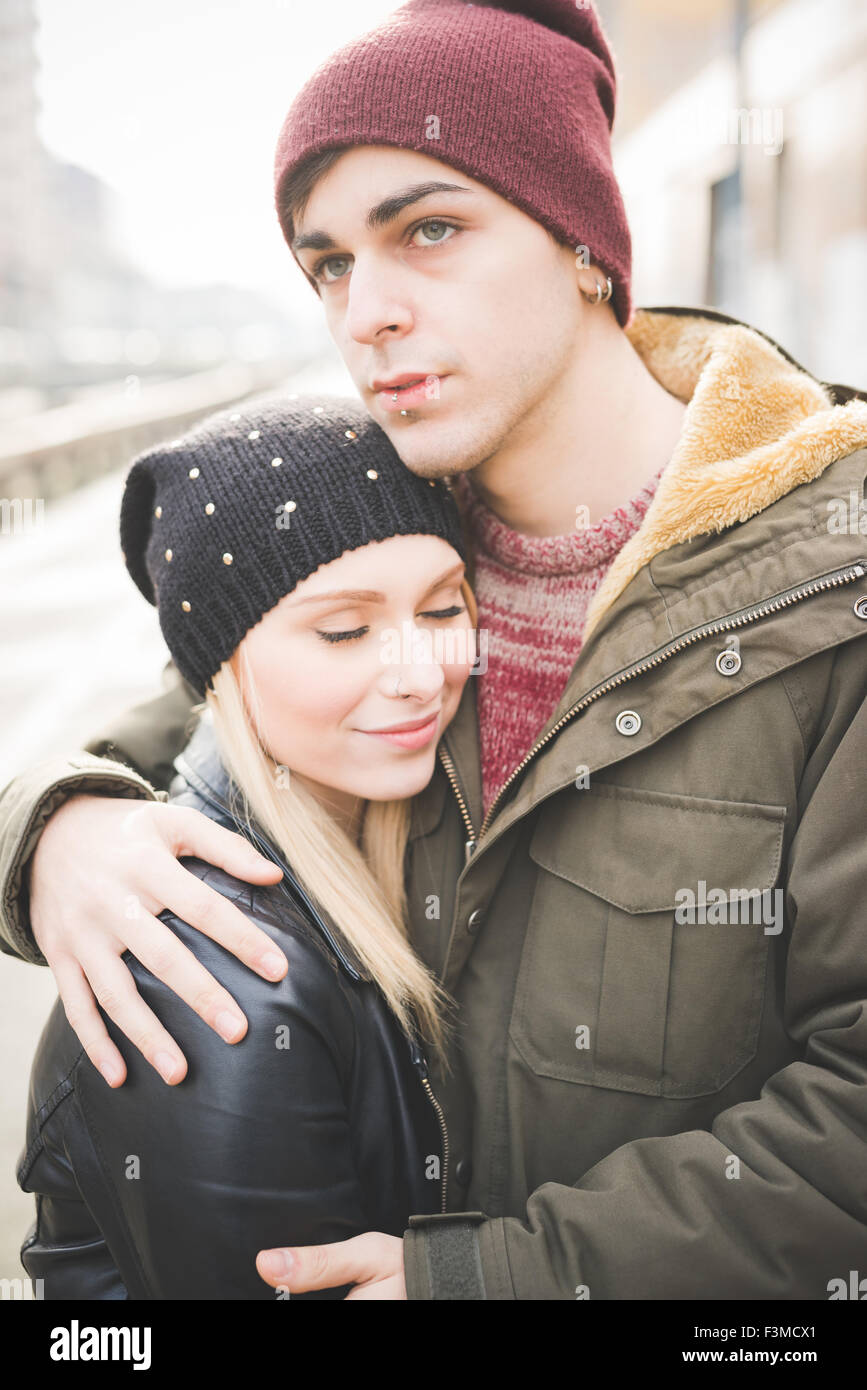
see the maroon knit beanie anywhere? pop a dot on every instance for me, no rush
(518, 94)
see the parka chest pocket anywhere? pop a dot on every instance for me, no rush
(615, 988)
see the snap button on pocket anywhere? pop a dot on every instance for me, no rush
(728, 663)
(627, 722)
(860, 607)
(464, 1171)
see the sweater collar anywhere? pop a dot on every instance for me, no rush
(574, 553)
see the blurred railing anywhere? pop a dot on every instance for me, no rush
(44, 456)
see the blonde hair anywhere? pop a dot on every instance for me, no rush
(360, 886)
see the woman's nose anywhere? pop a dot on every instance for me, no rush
(419, 673)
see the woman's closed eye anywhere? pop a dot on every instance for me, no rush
(360, 631)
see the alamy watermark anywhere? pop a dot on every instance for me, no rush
(444, 646)
(737, 906)
(737, 125)
(847, 516)
(19, 516)
(19, 1290)
(77, 1343)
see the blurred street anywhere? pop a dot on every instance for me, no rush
(79, 646)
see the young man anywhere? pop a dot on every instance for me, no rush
(639, 866)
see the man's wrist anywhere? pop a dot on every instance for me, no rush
(29, 802)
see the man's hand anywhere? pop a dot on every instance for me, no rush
(372, 1262)
(103, 869)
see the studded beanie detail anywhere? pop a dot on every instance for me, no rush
(518, 94)
(220, 524)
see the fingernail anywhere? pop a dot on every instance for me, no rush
(229, 1026)
(277, 1264)
(111, 1072)
(273, 964)
(166, 1065)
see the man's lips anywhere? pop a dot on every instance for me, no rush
(404, 379)
(409, 391)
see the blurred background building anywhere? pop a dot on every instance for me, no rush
(76, 313)
(144, 282)
(741, 148)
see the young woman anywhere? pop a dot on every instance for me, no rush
(312, 589)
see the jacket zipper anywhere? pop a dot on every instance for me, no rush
(445, 1134)
(420, 1061)
(846, 575)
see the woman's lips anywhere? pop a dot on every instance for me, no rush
(427, 388)
(410, 738)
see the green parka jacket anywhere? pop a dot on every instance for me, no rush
(658, 935)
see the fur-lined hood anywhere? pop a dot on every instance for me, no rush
(757, 425)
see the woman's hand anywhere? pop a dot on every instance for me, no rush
(103, 869)
(372, 1262)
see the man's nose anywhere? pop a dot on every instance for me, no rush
(375, 302)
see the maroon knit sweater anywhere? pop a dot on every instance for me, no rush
(533, 593)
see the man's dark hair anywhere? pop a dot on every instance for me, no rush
(295, 190)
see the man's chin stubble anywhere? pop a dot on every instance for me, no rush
(438, 456)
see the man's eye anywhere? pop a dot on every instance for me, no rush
(341, 636)
(320, 266)
(437, 222)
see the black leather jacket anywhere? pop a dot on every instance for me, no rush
(319, 1125)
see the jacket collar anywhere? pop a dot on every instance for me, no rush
(757, 427)
(202, 768)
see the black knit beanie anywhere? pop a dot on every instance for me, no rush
(218, 525)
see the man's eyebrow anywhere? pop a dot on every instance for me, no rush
(381, 213)
(371, 595)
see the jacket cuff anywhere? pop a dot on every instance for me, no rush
(26, 805)
(456, 1256)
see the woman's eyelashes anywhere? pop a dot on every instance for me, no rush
(360, 631)
(340, 636)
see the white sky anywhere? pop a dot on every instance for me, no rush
(176, 104)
